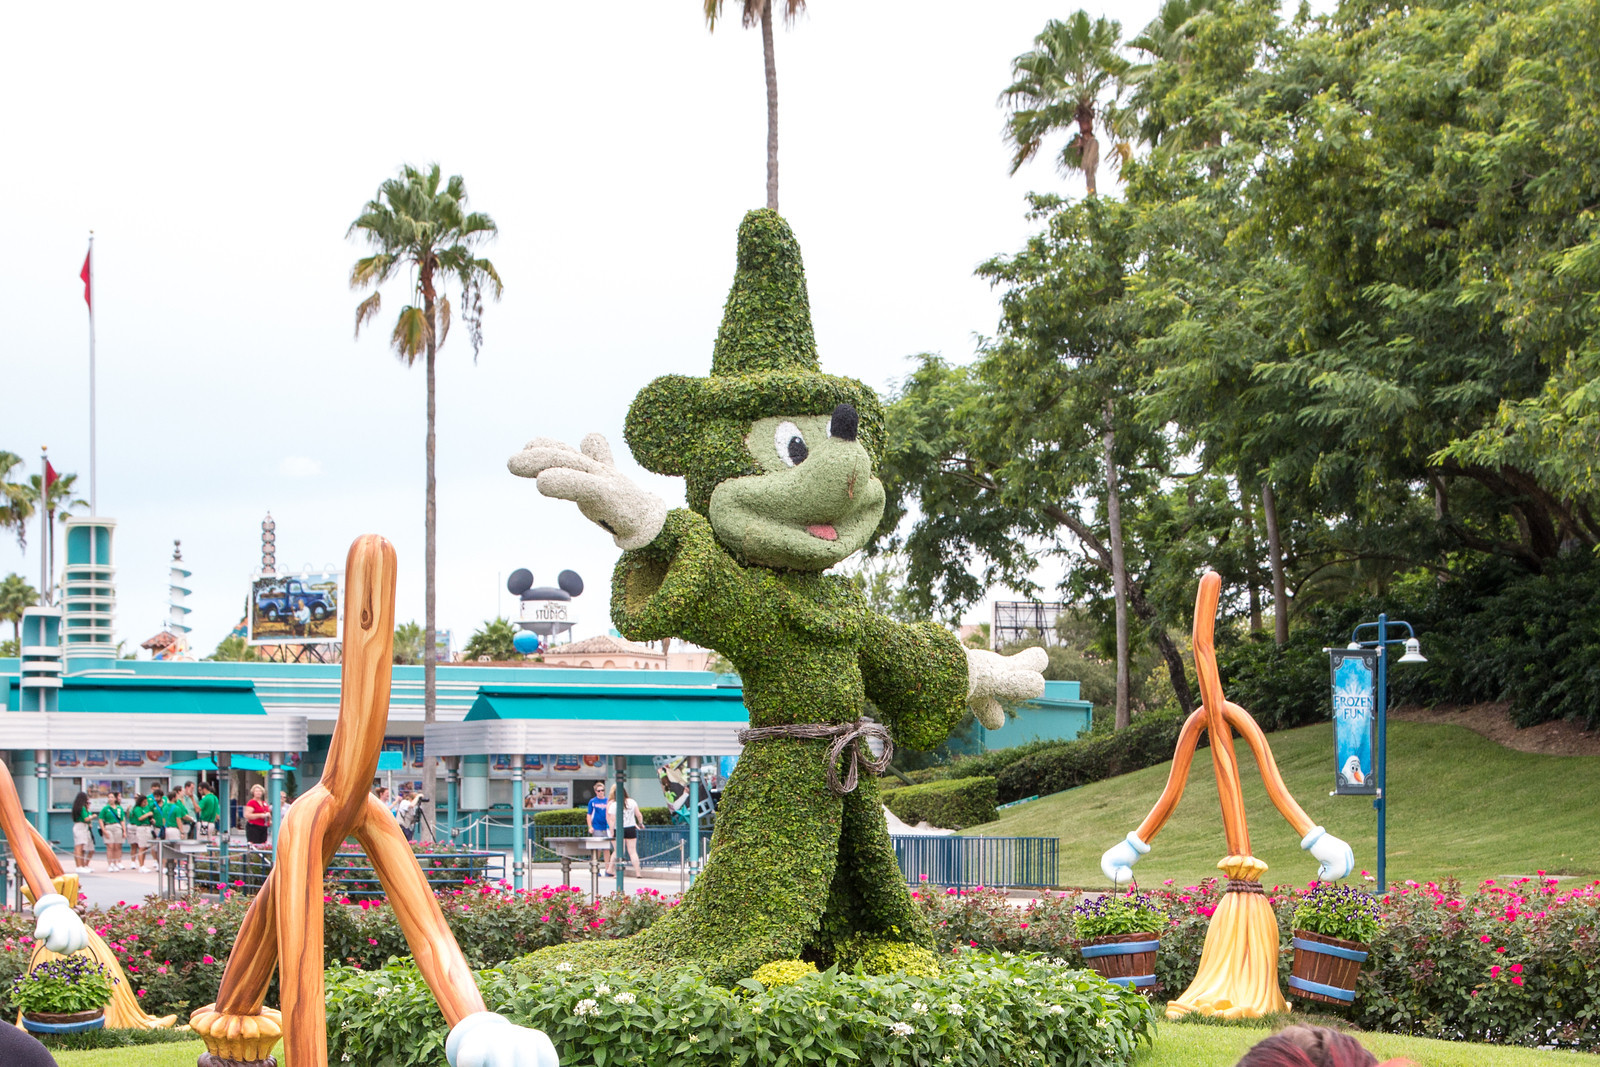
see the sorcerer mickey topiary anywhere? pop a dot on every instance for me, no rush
(778, 459)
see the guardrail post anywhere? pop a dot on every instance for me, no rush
(518, 836)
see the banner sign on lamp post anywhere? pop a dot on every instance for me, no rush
(1355, 720)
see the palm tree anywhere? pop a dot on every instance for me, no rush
(1073, 77)
(16, 596)
(1168, 40)
(754, 12)
(16, 504)
(407, 643)
(60, 499)
(416, 226)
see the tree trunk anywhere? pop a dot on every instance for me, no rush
(772, 105)
(1248, 521)
(430, 649)
(1119, 570)
(1280, 598)
(1089, 148)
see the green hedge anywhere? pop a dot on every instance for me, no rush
(954, 805)
(655, 816)
(978, 1009)
(1149, 741)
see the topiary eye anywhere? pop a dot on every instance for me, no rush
(791, 444)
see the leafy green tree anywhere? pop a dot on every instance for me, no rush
(1070, 80)
(493, 639)
(753, 13)
(16, 506)
(882, 581)
(16, 596)
(419, 226)
(233, 649)
(408, 643)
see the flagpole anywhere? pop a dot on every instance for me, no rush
(92, 498)
(44, 525)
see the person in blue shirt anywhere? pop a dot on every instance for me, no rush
(598, 827)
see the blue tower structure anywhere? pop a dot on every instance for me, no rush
(88, 594)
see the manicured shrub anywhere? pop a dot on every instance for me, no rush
(954, 804)
(658, 815)
(977, 1009)
(873, 955)
(783, 972)
(1147, 742)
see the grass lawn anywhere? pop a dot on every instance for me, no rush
(1188, 1044)
(1459, 806)
(1177, 1045)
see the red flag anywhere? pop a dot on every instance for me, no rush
(50, 478)
(84, 274)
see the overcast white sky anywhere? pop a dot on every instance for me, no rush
(220, 151)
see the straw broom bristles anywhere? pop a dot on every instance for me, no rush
(1238, 974)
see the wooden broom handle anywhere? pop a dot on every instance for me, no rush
(1240, 720)
(24, 840)
(1177, 778)
(1222, 756)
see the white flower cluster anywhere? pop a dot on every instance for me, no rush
(902, 1029)
(918, 1008)
(623, 998)
(586, 1007)
(601, 989)
(955, 1008)
(1056, 1009)
(563, 966)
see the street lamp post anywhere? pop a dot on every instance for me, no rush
(1413, 654)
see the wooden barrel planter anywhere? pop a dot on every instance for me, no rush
(45, 1022)
(1325, 968)
(1124, 959)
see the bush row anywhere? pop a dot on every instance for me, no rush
(173, 951)
(1147, 742)
(953, 804)
(977, 1009)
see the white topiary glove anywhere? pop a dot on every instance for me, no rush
(484, 1039)
(57, 925)
(1117, 863)
(994, 680)
(1334, 856)
(633, 516)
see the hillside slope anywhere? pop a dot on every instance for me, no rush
(1459, 806)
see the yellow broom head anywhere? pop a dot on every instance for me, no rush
(1238, 975)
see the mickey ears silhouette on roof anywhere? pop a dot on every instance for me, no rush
(521, 582)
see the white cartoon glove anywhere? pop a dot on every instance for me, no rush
(994, 680)
(57, 925)
(1335, 857)
(1117, 863)
(484, 1039)
(633, 516)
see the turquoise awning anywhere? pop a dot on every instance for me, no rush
(677, 704)
(151, 696)
(617, 720)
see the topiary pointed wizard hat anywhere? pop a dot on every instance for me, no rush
(764, 364)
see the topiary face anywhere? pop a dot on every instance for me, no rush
(815, 500)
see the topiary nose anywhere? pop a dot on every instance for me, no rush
(845, 422)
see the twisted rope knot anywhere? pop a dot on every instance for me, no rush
(851, 734)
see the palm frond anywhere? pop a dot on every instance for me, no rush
(411, 334)
(443, 309)
(367, 310)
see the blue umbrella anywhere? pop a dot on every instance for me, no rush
(240, 763)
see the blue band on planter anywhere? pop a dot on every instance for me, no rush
(1329, 950)
(37, 1027)
(1136, 981)
(1126, 948)
(1325, 990)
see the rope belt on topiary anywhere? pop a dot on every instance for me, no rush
(843, 734)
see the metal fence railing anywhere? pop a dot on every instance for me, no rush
(958, 861)
(349, 875)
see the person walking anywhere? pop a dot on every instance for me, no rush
(113, 828)
(191, 811)
(174, 818)
(209, 811)
(629, 825)
(83, 821)
(141, 823)
(257, 817)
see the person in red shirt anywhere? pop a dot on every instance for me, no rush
(257, 816)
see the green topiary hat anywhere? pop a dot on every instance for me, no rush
(764, 364)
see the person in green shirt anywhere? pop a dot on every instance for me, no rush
(141, 820)
(82, 832)
(210, 809)
(174, 818)
(113, 823)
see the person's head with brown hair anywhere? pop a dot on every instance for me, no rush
(1312, 1046)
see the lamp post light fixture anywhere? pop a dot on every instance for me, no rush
(1413, 654)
